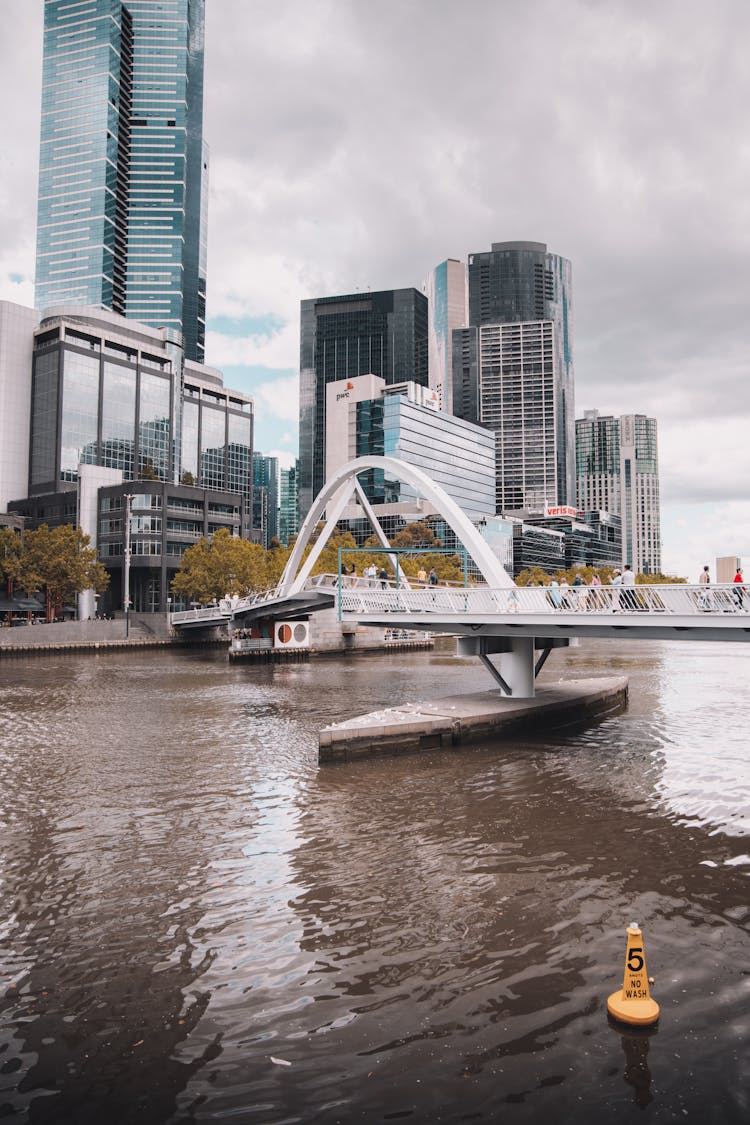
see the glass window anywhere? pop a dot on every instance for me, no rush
(118, 418)
(213, 445)
(80, 407)
(153, 425)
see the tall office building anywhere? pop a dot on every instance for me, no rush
(383, 334)
(618, 472)
(107, 391)
(366, 417)
(513, 370)
(289, 503)
(123, 167)
(265, 498)
(447, 297)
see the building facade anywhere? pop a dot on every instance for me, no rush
(265, 499)
(289, 503)
(618, 472)
(513, 369)
(17, 326)
(447, 298)
(341, 338)
(106, 391)
(123, 167)
(367, 417)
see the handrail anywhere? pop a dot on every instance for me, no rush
(663, 599)
(364, 596)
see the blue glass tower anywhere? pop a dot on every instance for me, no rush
(123, 167)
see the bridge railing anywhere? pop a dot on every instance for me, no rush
(206, 613)
(668, 599)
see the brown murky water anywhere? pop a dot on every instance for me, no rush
(198, 924)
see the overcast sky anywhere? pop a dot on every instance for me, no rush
(355, 145)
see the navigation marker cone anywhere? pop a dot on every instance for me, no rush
(632, 1003)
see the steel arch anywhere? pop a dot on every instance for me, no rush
(337, 492)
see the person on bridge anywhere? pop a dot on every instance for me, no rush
(739, 588)
(628, 583)
(704, 582)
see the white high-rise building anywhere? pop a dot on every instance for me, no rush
(17, 325)
(618, 472)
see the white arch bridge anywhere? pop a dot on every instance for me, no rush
(517, 625)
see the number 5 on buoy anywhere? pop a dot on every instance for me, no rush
(633, 1002)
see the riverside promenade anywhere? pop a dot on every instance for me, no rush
(143, 631)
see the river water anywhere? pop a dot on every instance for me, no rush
(200, 924)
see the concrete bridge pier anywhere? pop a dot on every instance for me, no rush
(518, 666)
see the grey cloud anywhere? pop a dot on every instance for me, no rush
(358, 145)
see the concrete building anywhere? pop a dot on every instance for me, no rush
(123, 169)
(17, 326)
(618, 472)
(341, 338)
(513, 370)
(447, 296)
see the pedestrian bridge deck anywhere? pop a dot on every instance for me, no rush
(677, 612)
(665, 611)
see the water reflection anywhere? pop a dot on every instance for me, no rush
(199, 924)
(635, 1045)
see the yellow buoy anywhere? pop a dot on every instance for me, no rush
(632, 1003)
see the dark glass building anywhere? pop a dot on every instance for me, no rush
(383, 334)
(513, 370)
(122, 167)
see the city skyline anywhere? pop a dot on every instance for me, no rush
(620, 155)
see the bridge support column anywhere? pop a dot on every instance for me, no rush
(517, 667)
(515, 670)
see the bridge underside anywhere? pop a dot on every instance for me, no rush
(288, 608)
(633, 626)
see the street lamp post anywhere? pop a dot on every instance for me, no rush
(126, 575)
(169, 616)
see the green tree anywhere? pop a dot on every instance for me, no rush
(276, 559)
(147, 471)
(61, 562)
(220, 566)
(328, 562)
(658, 579)
(187, 478)
(11, 549)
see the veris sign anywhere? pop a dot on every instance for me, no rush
(560, 510)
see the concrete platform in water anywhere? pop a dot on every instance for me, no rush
(461, 719)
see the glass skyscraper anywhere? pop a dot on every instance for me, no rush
(513, 369)
(123, 167)
(383, 334)
(289, 503)
(447, 298)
